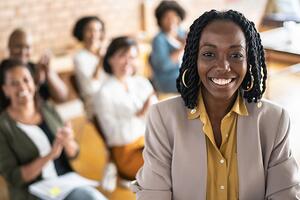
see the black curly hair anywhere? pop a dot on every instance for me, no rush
(255, 58)
(165, 6)
(81, 24)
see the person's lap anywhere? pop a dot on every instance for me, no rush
(86, 193)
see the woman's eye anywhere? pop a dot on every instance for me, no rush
(237, 55)
(208, 54)
(26, 80)
(14, 83)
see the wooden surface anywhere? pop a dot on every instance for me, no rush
(93, 157)
(282, 44)
(3, 189)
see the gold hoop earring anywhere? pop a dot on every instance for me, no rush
(183, 77)
(249, 87)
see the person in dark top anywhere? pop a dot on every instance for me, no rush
(49, 83)
(34, 142)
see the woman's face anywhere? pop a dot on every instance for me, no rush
(222, 59)
(20, 48)
(93, 32)
(124, 61)
(170, 21)
(19, 86)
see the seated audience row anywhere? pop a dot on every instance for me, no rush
(34, 142)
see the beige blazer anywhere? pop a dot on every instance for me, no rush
(175, 155)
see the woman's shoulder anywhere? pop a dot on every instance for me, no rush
(110, 84)
(6, 124)
(137, 79)
(267, 109)
(4, 118)
(170, 106)
(84, 54)
(160, 37)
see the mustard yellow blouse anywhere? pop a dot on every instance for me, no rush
(222, 170)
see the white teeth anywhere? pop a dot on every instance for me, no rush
(221, 81)
(23, 94)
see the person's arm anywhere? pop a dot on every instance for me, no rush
(146, 87)
(33, 169)
(87, 82)
(154, 179)
(20, 175)
(57, 88)
(66, 136)
(150, 100)
(282, 178)
(99, 67)
(161, 59)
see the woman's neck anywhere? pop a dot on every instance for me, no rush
(123, 81)
(217, 108)
(94, 48)
(26, 113)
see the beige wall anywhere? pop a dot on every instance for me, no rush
(51, 21)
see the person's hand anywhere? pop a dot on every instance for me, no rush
(43, 67)
(146, 105)
(98, 69)
(177, 55)
(65, 134)
(56, 150)
(44, 62)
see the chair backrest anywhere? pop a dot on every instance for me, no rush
(99, 128)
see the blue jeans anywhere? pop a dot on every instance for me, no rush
(85, 193)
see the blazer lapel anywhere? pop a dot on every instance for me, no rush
(250, 161)
(198, 170)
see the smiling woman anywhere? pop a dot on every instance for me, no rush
(34, 143)
(220, 139)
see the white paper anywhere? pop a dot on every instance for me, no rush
(59, 188)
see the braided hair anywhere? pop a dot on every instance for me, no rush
(256, 67)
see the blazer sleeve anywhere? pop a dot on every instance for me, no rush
(9, 166)
(282, 174)
(154, 178)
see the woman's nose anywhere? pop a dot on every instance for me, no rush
(224, 65)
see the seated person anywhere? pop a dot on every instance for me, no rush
(89, 73)
(220, 139)
(167, 46)
(34, 143)
(48, 82)
(121, 104)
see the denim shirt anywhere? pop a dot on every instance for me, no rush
(165, 71)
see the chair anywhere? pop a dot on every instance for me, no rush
(101, 134)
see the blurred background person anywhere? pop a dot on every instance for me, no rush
(34, 143)
(49, 83)
(121, 105)
(167, 46)
(89, 30)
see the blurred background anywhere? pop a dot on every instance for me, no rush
(51, 22)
